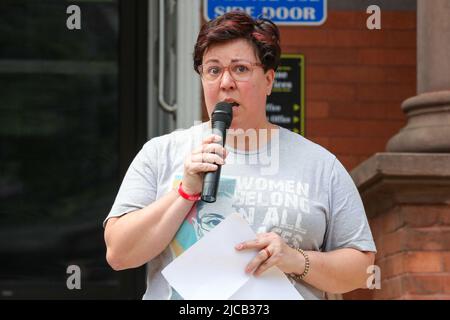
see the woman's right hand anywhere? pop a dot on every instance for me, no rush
(202, 159)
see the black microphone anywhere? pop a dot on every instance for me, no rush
(221, 121)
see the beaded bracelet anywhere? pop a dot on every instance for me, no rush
(298, 277)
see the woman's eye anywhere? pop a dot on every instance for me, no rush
(210, 220)
(241, 69)
(211, 223)
(214, 70)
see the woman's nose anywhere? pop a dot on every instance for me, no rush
(227, 82)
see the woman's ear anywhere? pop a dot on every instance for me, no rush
(270, 77)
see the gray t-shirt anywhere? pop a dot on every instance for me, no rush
(290, 186)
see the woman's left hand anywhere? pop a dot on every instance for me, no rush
(273, 251)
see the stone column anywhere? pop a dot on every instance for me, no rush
(406, 191)
(407, 201)
(428, 127)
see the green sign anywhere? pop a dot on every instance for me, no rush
(286, 105)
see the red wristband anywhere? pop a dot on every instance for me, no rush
(190, 197)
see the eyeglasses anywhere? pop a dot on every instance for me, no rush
(239, 71)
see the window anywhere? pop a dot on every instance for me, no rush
(59, 147)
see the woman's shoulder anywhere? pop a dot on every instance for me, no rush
(296, 143)
(178, 137)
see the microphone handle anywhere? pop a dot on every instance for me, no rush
(212, 178)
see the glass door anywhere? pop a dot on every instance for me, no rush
(71, 120)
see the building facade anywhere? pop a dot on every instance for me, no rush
(78, 104)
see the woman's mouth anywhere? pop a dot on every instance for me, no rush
(232, 102)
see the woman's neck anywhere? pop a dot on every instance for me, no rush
(250, 139)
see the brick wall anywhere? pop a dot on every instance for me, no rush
(413, 243)
(356, 80)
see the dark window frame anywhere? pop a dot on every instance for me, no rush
(133, 81)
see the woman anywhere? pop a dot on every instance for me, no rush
(296, 195)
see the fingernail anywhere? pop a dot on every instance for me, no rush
(239, 246)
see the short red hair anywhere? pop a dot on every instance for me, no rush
(263, 34)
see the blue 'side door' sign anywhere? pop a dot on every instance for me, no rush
(282, 12)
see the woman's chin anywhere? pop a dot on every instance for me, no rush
(235, 125)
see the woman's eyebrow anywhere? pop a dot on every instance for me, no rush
(232, 60)
(211, 60)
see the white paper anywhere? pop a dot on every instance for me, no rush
(212, 269)
(271, 285)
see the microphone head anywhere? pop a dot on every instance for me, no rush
(223, 111)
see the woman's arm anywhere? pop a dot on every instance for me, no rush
(139, 236)
(337, 271)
